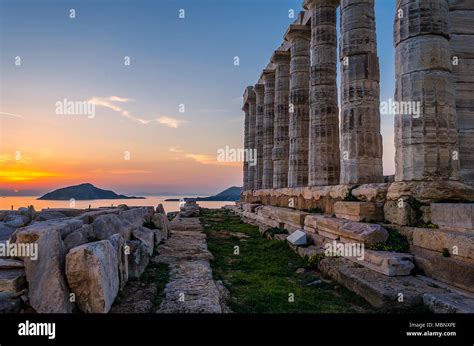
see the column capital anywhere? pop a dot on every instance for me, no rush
(249, 95)
(281, 56)
(308, 4)
(267, 73)
(297, 30)
(259, 88)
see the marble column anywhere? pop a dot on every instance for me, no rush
(427, 142)
(268, 77)
(361, 140)
(461, 18)
(280, 153)
(249, 99)
(259, 90)
(245, 108)
(324, 159)
(299, 37)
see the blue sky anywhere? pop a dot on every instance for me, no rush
(173, 61)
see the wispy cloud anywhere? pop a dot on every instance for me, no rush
(111, 103)
(176, 149)
(11, 115)
(201, 158)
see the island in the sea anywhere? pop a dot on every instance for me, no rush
(83, 192)
(230, 194)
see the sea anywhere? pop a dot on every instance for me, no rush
(15, 202)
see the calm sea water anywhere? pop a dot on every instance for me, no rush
(7, 202)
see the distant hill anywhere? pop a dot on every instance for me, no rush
(83, 192)
(230, 194)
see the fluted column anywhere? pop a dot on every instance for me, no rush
(427, 143)
(268, 77)
(280, 153)
(361, 140)
(299, 37)
(259, 90)
(461, 16)
(245, 108)
(324, 159)
(249, 99)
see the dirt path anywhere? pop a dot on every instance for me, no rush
(191, 288)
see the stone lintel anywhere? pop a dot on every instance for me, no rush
(259, 88)
(267, 73)
(308, 4)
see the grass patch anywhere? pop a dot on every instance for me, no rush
(262, 278)
(394, 243)
(276, 230)
(158, 274)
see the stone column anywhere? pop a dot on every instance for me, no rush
(259, 90)
(461, 17)
(245, 108)
(427, 142)
(361, 140)
(324, 155)
(268, 77)
(299, 37)
(249, 99)
(280, 153)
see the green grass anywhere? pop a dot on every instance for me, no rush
(159, 274)
(262, 277)
(394, 243)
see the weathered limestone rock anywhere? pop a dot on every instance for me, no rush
(324, 154)
(371, 192)
(268, 77)
(106, 225)
(249, 98)
(50, 215)
(146, 236)
(160, 209)
(16, 220)
(48, 291)
(161, 221)
(138, 258)
(158, 237)
(9, 263)
(281, 144)
(283, 215)
(12, 280)
(427, 146)
(250, 207)
(359, 211)
(400, 212)
(431, 191)
(361, 140)
(362, 232)
(451, 270)
(330, 227)
(92, 274)
(449, 303)
(437, 240)
(10, 303)
(90, 216)
(259, 90)
(385, 262)
(137, 216)
(453, 216)
(299, 37)
(118, 243)
(80, 236)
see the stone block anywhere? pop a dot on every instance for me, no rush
(399, 212)
(12, 280)
(297, 238)
(146, 236)
(437, 240)
(363, 232)
(449, 303)
(453, 216)
(371, 192)
(359, 211)
(284, 215)
(138, 258)
(385, 262)
(330, 225)
(250, 207)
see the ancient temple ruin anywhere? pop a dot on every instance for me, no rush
(321, 164)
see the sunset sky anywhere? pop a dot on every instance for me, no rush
(173, 62)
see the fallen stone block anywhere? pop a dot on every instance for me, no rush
(330, 225)
(399, 212)
(138, 258)
(160, 209)
(250, 207)
(12, 280)
(283, 215)
(136, 216)
(16, 221)
(47, 214)
(161, 221)
(9, 303)
(371, 192)
(366, 233)
(48, 291)
(80, 236)
(8, 263)
(106, 225)
(359, 211)
(90, 216)
(458, 244)
(63, 226)
(449, 303)
(118, 243)
(385, 262)
(146, 236)
(453, 216)
(92, 274)
(297, 238)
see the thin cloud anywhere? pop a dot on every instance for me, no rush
(11, 115)
(176, 150)
(109, 102)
